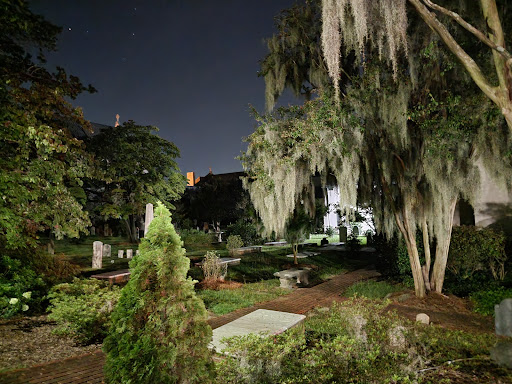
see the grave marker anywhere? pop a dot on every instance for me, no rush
(97, 254)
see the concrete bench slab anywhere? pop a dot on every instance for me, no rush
(114, 277)
(261, 321)
(246, 250)
(224, 260)
(276, 243)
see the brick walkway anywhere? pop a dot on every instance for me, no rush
(89, 368)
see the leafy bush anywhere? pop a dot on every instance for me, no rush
(473, 249)
(25, 278)
(353, 342)
(159, 330)
(353, 243)
(484, 301)
(234, 242)
(82, 309)
(212, 268)
(246, 230)
(21, 288)
(194, 238)
(371, 289)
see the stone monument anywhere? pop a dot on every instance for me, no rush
(107, 250)
(97, 254)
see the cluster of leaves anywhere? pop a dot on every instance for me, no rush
(25, 279)
(82, 309)
(247, 230)
(353, 342)
(212, 268)
(159, 332)
(194, 238)
(477, 249)
(484, 301)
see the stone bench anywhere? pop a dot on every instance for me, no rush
(120, 276)
(289, 278)
(246, 250)
(260, 321)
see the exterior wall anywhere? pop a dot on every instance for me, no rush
(332, 200)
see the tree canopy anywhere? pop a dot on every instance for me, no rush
(138, 167)
(42, 165)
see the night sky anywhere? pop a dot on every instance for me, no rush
(187, 67)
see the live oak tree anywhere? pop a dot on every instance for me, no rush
(408, 151)
(42, 165)
(138, 167)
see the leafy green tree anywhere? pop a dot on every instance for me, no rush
(138, 168)
(298, 229)
(159, 332)
(42, 166)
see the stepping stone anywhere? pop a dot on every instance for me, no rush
(261, 321)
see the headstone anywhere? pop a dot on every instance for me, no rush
(120, 253)
(129, 253)
(343, 234)
(355, 231)
(107, 250)
(148, 218)
(51, 248)
(423, 318)
(137, 252)
(501, 353)
(106, 231)
(503, 318)
(93, 231)
(97, 254)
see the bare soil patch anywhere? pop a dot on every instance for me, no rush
(447, 311)
(29, 341)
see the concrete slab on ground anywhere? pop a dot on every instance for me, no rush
(261, 321)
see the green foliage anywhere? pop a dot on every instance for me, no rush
(234, 242)
(25, 278)
(371, 289)
(20, 287)
(194, 238)
(224, 301)
(138, 168)
(473, 249)
(353, 342)
(484, 301)
(42, 166)
(159, 332)
(82, 309)
(246, 230)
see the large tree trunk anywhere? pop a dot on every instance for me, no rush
(442, 248)
(426, 247)
(409, 234)
(295, 249)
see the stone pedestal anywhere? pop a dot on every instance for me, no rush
(97, 254)
(148, 218)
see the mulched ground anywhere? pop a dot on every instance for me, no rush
(28, 341)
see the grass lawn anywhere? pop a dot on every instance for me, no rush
(256, 270)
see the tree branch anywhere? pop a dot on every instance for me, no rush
(468, 27)
(467, 61)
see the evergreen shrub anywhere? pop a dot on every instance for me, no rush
(484, 301)
(246, 230)
(159, 330)
(82, 309)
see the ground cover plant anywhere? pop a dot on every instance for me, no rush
(356, 342)
(371, 289)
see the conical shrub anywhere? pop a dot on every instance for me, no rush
(159, 332)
